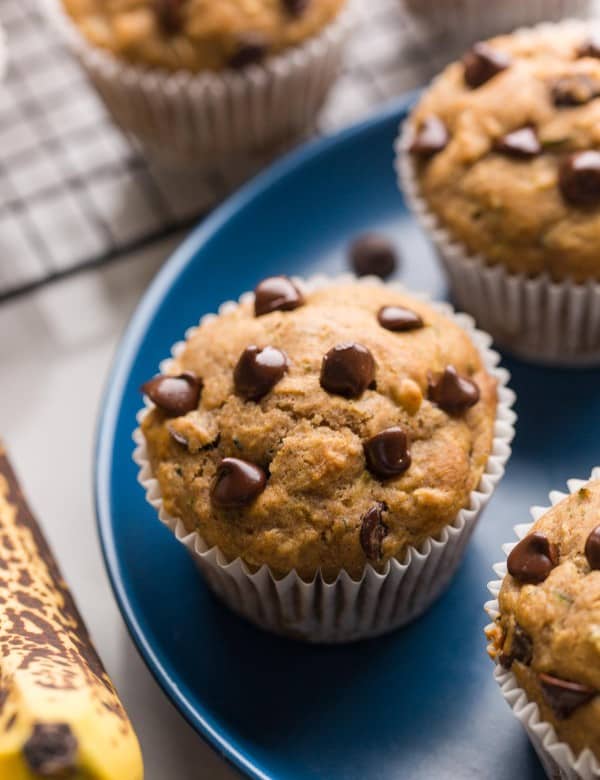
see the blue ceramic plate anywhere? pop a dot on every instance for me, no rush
(419, 704)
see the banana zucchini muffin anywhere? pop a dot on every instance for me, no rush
(548, 630)
(506, 145)
(321, 431)
(198, 35)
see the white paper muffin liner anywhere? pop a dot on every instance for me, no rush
(218, 121)
(557, 757)
(346, 609)
(535, 318)
(467, 21)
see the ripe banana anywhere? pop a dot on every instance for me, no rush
(60, 715)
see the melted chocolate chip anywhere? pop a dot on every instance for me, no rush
(452, 392)
(250, 50)
(387, 453)
(348, 370)
(51, 750)
(372, 532)
(296, 7)
(575, 90)
(533, 558)
(482, 63)
(277, 293)
(373, 254)
(175, 395)
(258, 371)
(237, 483)
(592, 548)
(432, 137)
(590, 48)
(169, 15)
(563, 696)
(399, 319)
(579, 178)
(520, 143)
(519, 647)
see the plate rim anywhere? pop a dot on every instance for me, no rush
(117, 377)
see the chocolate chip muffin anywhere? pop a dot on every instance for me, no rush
(506, 151)
(548, 629)
(198, 35)
(321, 431)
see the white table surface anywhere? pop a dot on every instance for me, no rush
(55, 351)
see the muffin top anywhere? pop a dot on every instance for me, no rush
(507, 146)
(548, 631)
(321, 430)
(197, 35)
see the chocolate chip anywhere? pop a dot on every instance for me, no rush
(520, 143)
(277, 293)
(518, 647)
(579, 178)
(452, 392)
(399, 319)
(431, 137)
(258, 371)
(592, 548)
(237, 483)
(175, 395)
(387, 453)
(563, 696)
(373, 254)
(296, 7)
(590, 47)
(348, 370)
(169, 15)
(372, 532)
(533, 558)
(177, 436)
(51, 750)
(251, 49)
(482, 63)
(575, 90)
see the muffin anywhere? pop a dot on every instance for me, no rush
(466, 20)
(323, 435)
(207, 82)
(501, 162)
(546, 634)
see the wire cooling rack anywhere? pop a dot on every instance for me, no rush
(75, 192)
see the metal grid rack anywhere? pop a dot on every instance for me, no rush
(74, 192)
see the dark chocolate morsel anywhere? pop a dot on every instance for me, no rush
(575, 90)
(251, 49)
(563, 696)
(237, 483)
(388, 453)
(592, 548)
(168, 13)
(348, 370)
(590, 47)
(258, 371)
(579, 178)
(175, 395)
(518, 647)
(520, 143)
(296, 7)
(399, 319)
(372, 532)
(431, 137)
(452, 392)
(532, 559)
(51, 750)
(482, 63)
(276, 293)
(373, 254)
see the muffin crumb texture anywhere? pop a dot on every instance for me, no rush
(320, 439)
(548, 631)
(507, 148)
(199, 35)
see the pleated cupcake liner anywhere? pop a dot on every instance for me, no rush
(535, 318)
(229, 121)
(344, 610)
(468, 21)
(558, 760)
